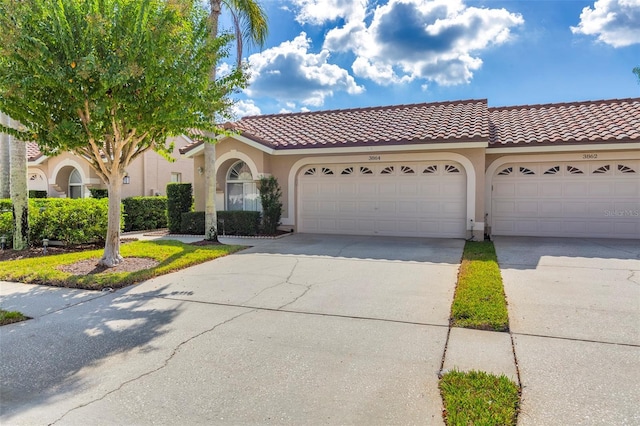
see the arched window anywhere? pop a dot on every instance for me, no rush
(75, 184)
(242, 191)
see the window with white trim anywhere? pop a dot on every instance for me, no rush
(75, 184)
(242, 191)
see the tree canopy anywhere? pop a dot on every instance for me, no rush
(110, 79)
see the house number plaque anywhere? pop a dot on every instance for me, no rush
(375, 157)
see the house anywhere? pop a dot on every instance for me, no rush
(67, 175)
(446, 169)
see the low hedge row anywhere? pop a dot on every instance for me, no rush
(142, 213)
(229, 223)
(72, 221)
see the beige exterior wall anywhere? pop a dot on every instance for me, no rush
(148, 174)
(286, 168)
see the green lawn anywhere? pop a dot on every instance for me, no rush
(479, 301)
(478, 398)
(9, 317)
(171, 255)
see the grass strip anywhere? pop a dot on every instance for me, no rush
(479, 301)
(9, 317)
(171, 255)
(478, 398)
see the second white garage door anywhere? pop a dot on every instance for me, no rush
(567, 199)
(425, 199)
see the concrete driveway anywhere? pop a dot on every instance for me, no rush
(307, 329)
(574, 308)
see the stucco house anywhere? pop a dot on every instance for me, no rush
(67, 175)
(447, 169)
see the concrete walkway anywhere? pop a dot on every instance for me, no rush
(301, 330)
(574, 308)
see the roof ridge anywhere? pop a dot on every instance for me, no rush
(562, 104)
(369, 108)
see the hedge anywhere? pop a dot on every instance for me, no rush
(99, 193)
(142, 213)
(229, 223)
(179, 200)
(34, 193)
(72, 221)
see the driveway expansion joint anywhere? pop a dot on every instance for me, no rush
(155, 370)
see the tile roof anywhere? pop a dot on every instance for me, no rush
(33, 152)
(461, 121)
(606, 121)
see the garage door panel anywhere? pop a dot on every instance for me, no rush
(602, 201)
(395, 203)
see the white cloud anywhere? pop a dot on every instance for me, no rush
(615, 22)
(244, 108)
(432, 40)
(318, 12)
(289, 72)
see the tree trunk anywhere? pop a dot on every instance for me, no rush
(5, 163)
(111, 256)
(210, 215)
(19, 194)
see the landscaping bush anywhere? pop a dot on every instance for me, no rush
(99, 193)
(192, 223)
(179, 200)
(142, 213)
(6, 205)
(238, 223)
(72, 221)
(6, 227)
(37, 194)
(270, 194)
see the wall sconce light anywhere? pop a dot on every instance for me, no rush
(126, 180)
(200, 170)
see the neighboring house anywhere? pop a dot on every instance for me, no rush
(67, 175)
(449, 169)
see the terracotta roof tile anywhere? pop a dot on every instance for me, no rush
(399, 124)
(33, 152)
(615, 120)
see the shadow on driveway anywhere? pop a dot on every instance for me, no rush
(43, 358)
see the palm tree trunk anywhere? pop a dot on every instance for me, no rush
(5, 163)
(111, 256)
(19, 194)
(210, 215)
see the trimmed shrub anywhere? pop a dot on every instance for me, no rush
(5, 205)
(270, 194)
(179, 200)
(238, 223)
(99, 193)
(192, 223)
(6, 228)
(142, 213)
(72, 221)
(33, 193)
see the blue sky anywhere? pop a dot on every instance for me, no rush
(335, 54)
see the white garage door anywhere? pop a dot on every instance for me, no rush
(426, 199)
(569, 199)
